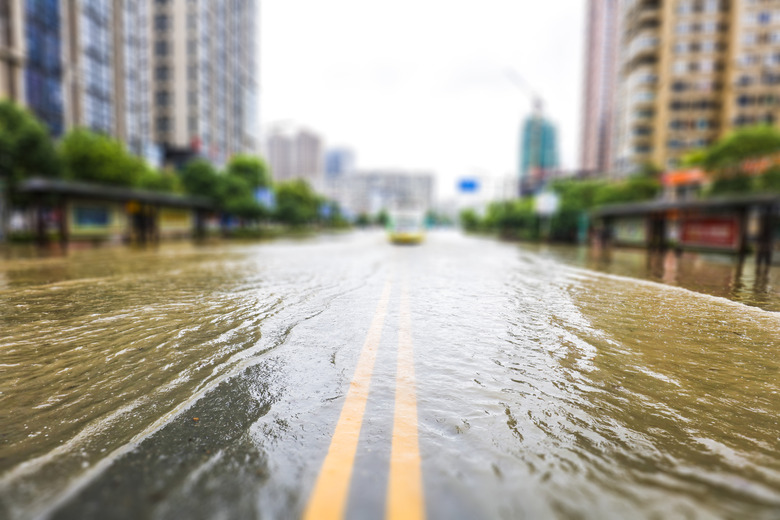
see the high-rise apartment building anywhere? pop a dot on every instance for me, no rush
(296, 155)
(600, 78)
(538, 148)
(31, 58)
(690, 71)
(753, 92)
(12, 50)
(132, 73)
(174, 74)
(310, 154)
(281, 157)
(205, 77)
(89, 64)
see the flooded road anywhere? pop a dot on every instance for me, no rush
(235, 381)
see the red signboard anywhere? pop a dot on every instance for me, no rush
(716, 232)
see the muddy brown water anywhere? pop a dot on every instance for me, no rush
(551, 382)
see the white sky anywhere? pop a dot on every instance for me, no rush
(421, 84)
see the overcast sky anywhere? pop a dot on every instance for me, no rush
(422, 84)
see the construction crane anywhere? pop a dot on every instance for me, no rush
(536, 100)
(536, 139)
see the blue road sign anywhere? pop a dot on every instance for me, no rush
(468, 185)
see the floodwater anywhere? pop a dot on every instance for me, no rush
(207, 381)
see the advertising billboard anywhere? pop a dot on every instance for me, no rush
(717, 232)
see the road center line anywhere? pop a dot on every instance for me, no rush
(329, 498)
(405, 491)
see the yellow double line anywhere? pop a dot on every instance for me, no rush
(405, 496)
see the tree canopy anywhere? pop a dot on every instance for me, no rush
(199, 177)
(746, 143)
(236, 196)
(92, 157)
(26, 150)
(296, 202)
(253, 170)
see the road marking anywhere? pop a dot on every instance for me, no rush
(329, 498)
(405, 491)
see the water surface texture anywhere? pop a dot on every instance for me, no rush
(206, 381)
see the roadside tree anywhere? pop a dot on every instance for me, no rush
(251, 169)
(26, 150)
(296, 203)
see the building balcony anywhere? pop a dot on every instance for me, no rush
(643, 12)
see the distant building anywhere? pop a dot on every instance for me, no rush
(295, 155)
(308, 155)
(281, 158)
(600, 83)
(339, 162)
(538, 148)
(368, 192)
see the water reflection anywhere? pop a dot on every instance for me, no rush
(738, 278)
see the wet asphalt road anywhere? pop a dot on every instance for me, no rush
(496, 381)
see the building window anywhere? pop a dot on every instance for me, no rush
(162, 98)
(161, 73)
(709, 27)
(161, 48)
(163, 124)
(161, 22)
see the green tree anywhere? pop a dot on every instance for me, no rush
(633, 189)
(770, 180)
(296, 203)
(747, 143)
(200, 178)
(576, 197)
(253, 170)
(649, 170)
(26, 150)
(236, 196)
(513, 219)
(469, 220)
(382, 218)
(93, 157)
(165, 180)
(363, 220)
